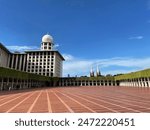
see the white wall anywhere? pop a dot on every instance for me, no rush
(4, 56)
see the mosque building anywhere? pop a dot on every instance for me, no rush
(46, 61)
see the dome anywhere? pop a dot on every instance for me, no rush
(47, 38)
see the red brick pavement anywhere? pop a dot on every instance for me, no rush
(76, 100)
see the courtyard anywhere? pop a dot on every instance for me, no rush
(108, 99)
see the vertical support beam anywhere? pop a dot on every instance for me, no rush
(74, 83)
(20, 84)
(143, 85)
(2, 87)
(136, 83)
(8, 62)
(7, 84)
(62, 82)
(29, 81)
(25, 67)
(16, 64)
(12, 63)
(20, 62)
(148, 79)
(96, 83)
(27, 84)
(81, 83)
(12, 84)
(139, 81)
(88, 82)
(24, 83)
(146, 82)
(17, 84)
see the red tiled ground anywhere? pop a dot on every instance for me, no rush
(76, 99)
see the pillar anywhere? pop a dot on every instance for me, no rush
(12, 61)
(146, 82)
(20, 62)
(2, 87)
(12, 84)
(148, 79)
(16, 64)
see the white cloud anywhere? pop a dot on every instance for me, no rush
(56, 45)
(75, 66)
(126, 62)
(136, 38)
(22, 48)
(68, 57)
(118, 71)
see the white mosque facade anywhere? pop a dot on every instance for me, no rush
(46, 61)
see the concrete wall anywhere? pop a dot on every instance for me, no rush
(4, 58)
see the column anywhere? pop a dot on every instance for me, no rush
(42, 54)
(7, 84)
(20, 62)
(24, 63)
(136, 82)
(139, 82)
(12, 84)
(81, 83)
(59, 83)
(12, 61)
(96, 83)
(148, 79)
(88, 82)
(142, 82)
(62, 82)
(24, 83)
(28, 63)
(36, 65)
(21, 84)
(27, 84)
(8, 62)
(2, 84)
(74, 83)
(16, 64)
(146, 82)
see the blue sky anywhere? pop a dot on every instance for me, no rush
(113, 34)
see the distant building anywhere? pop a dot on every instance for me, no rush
(96, 74)
(46, 61)
(91, 72)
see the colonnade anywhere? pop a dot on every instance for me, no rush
(13, 84)
(138, 82)
(70, 82)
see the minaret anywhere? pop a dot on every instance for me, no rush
(47, 42)
(98, 73)
(91, 72)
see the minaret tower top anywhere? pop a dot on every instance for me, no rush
(98, 73)
(91, 72)
(47, 42)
